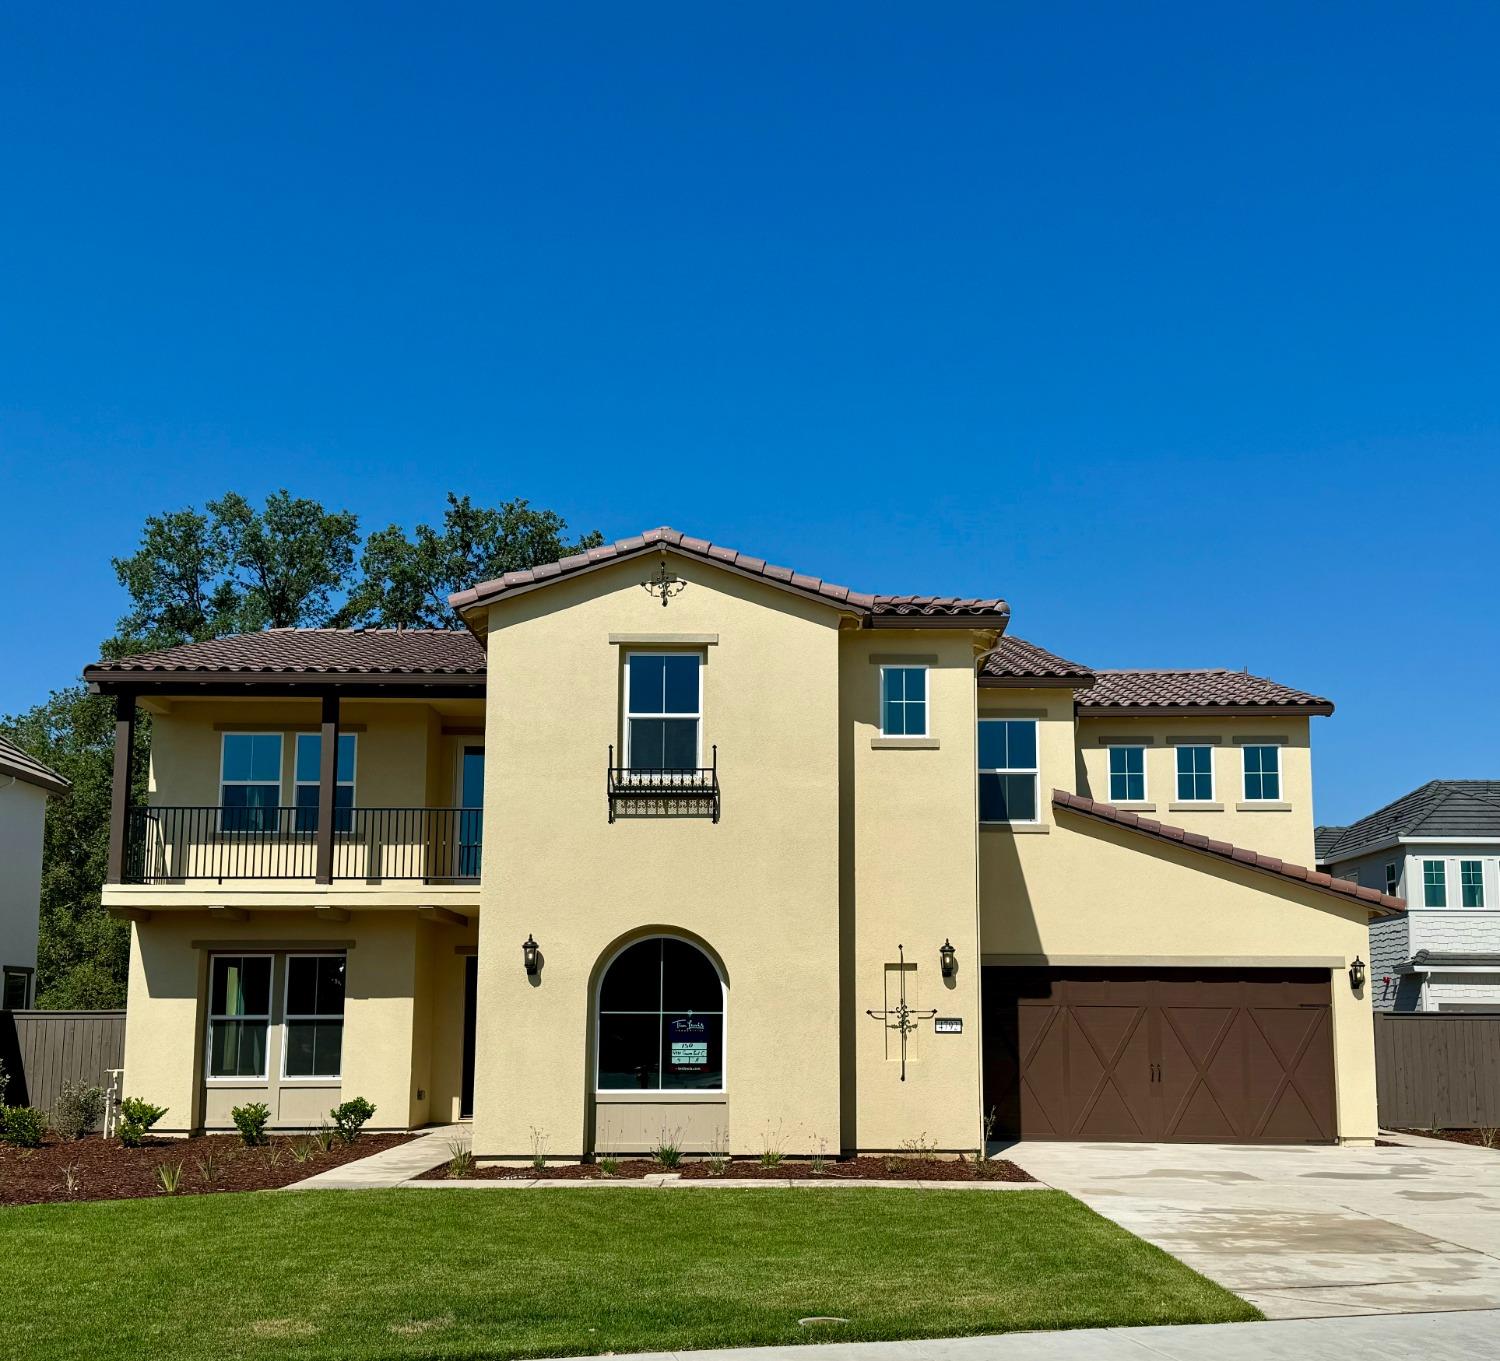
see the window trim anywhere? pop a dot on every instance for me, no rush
(627, 713)
(1213, 774)
(1442, 867)
(238, 1079)
(1478, 885)
(287, 1017)
(1245, 772)
(925, 701)
(1035, 773)
(723, 1013)
(350, 783)
(225, 783)
(1109, 768)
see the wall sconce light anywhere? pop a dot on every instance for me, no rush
(531, 954)
(949, 957)
(1357, 974)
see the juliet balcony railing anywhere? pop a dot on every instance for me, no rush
(678, 791)
(165, 845)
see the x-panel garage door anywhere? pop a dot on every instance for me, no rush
(1209, 1055)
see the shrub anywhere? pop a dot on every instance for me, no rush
(77, 1111)
(251, 1121)
(666, 1153)
(609, 1167)
(24, 1126)
(136, 1117)
(4, 1085)
(351, 1117)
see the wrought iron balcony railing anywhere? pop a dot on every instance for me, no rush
(680, 792)
(166, 845)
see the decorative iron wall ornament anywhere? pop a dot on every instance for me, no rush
(665, 584)
(901, 1018)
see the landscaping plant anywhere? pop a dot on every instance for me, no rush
(301, 1150)
(538, 1148)
(461, 1164)
(609, 1166)
(169, 1177)
(23, 1126)
(350, 1117)
(77, 1111)
(666, 1153)
(251, 1121)
(136, 1118)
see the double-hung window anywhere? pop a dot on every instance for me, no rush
(239, 1015)
(1127, 774)
(1392, 880)
(1007, 770)
(1195, 774)
(314, 1019)
(1434, 883)
(663, 711)
(250, 781)
(903, 701)
(1471, 882)
(1262, 774)
(306, 776)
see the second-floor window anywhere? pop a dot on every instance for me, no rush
(1007, 770)
(1195, 774)
(1127, 774)
(1471, 882)
(1262, 774)
(250, 781)
(903, 701)
(1434, 883)
(309, 759)
(663, 711)
(1392, 880)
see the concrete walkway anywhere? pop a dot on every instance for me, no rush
(391, 1166)
(1304, 1232)
(1409, 1337)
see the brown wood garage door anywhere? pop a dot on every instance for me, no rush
(1206, 1055)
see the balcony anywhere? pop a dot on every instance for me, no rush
(681, 792)
(174, 845)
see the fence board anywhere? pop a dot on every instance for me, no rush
(44, 1050)
(1436, 1070)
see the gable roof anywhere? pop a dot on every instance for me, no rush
(1379, 904)
(900, 611)
(19, 765)
(1437, 809)
(1167, 690)
(1015, 662)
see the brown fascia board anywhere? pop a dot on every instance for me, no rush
(378, 683)
(935, 621)
(1036, 682)
(1203, 710)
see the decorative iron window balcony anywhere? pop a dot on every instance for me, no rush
(681, 792)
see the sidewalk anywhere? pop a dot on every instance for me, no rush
(1405, 1337)
(391, 1166)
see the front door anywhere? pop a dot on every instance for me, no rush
(471, 1007)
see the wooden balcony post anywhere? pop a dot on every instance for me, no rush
(328, 777)
(119, 794)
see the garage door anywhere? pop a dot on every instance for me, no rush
(1206, 1055)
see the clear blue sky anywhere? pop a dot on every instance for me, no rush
(1179, 328)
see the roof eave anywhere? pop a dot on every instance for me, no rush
(1035, 682)
(1204, 710)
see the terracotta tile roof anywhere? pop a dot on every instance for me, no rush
(930, 607)
(1122, 691)
(1014, 660)
(384, 652)
(1380, 904)
(20, 765)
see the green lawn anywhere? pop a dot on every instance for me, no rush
(503, 1273)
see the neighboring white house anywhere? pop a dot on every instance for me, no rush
(25, 786)
(1439, 848)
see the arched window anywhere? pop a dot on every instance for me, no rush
(661, 1019)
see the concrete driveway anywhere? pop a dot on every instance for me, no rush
(1303, 1232)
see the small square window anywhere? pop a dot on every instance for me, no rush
(1262, 774)
(1127, 774)
(1195, 774)
(903, 701)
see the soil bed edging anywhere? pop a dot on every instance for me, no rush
(865, 1168)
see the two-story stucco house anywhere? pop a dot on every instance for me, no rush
(1439, 848)
(675, 843)
(25, 786)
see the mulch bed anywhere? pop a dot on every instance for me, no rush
(868, 1168)
(1456, 1136)
(106, 1170)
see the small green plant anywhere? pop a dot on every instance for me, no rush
(302, 1150)
(23, 1126)
(323, 1138)
(538, 1148)
(609, 1167)
(771, 1146)
(209, 1168)
(251, 1121)
(169, 1177)
(718, 1154)
(667, 1153)
(272, 1154)
(136, 1119)
(77, 1110)
(920, 1147)
(461, 1163)
(819, 1164)
(4, 1085)
(350, 1117)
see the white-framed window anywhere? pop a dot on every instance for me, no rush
(239, 1016)
(1127, 774)
(1471, 882)
(1434, 883)
(1008, 771)
(1392, 880)
(249, 781)
(1262, 774)
(660, 1017)
(313, 1016)
(308, 755)
(663, 711)
(903, 701)
(1195, 774)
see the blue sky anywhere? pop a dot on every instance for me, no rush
(1177, 327)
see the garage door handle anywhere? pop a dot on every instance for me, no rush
(1156, 1072)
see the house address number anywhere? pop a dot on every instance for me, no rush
(948, 1025)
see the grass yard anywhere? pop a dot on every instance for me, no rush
(492, 1274)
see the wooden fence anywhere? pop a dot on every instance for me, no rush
(42, 1050)
(1438, 1070)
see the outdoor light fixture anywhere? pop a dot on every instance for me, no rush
(949, 957)
(1357, 974)
(531, 954)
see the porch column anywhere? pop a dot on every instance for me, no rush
(119, 794)
(328, 774)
